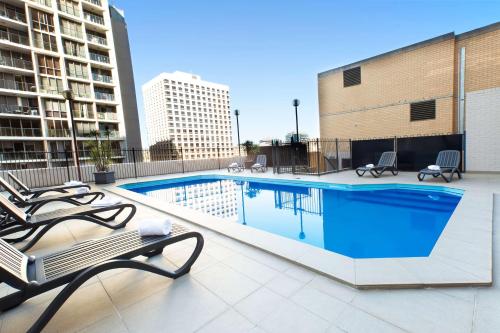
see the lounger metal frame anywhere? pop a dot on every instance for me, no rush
(32, 276)
(387, 162)
(448, 161)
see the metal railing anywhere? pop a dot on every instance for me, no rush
(46, 168)
(76, 53)
(107, 116)
(72, 32)
(82, 75)
(18, 110)
(56, 114)
(16, 62)
(104, 96)
(14, 37)
(15, 85)
(94, 2)
(96, 39)
(99, 57)
(102, 78)
(59, 132)
(93, 18)
(12, 131)
(47, 3)
(13, 15)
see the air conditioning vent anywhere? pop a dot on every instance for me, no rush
(423, 110)
(352, 77)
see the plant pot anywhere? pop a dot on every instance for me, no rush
(104, 177)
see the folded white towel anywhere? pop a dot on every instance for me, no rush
(257, 165)
(434, 167)
(234, 164)
(370, 165)
(82, 190)
(155, 227)
(73, 183)
(106, 202)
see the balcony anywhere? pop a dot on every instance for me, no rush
(13, 15)
(82, 75)
(94, 2)
(59, 132)
(93, 18)
(99, 57)
(14, 37)
(16, 62)
(83, 114)
(12, 131)
(55, 114)
(41, 44)
(112, 134)
(72, 32)
(104, 96)
(18, 110)
(107, 116)
(15, 85)
(68, 9)
(97, 39)
(76, 53)
(102, 78)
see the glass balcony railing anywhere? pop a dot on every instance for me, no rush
(94, 2)
(41, 44)
(13, 15)
(71, 10)
(99, 57)
(16, 85)
(12, 131)
(19, 110)
(59, 132)
(93, 18)
(112, 134)
(107, 116)
(55, 114)
(47, 3)
(72, 32)
(83, 114)
(14, 37)
(16, 62)
(104, 96)
(97, 39)
(82, 75)
(102, 78)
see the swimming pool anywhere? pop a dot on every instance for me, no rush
(358, 221)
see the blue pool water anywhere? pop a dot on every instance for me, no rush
(362, 221)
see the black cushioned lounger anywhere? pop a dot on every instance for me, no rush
(32, 276)
(17, 221)
(387, 162)
(34, 204)
(36, 192)
(448, 161)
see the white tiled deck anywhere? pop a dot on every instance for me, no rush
(236, 288)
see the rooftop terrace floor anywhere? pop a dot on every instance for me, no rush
(234, 287)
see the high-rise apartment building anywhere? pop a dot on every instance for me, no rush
(47, 46)
(192, 114)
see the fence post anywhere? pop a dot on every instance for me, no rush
(317, 154)
(396, 149)
(294, 155)
(67, 165)
(218, 155)
(337, 153)
(182, 159)
(350, 152)
(464, 149)
(135, 165)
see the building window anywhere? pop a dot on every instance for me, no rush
(423, 110)
(42, 21)
(49, 65)
(352, 77)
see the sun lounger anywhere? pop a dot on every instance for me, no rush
(32, 276)
(17, 221)
(447, 162)
(36, 192)
(235, 167)
(260, 164)
(387, 162)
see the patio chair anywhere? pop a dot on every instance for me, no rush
(36, 192)
(387, 162)
(235, 167)
(17, 221)
(448, 162)
(32, 276)
(260, 164)
(34, 204)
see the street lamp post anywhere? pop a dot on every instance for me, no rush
(68, 95)
(237, 114)
(296, 103)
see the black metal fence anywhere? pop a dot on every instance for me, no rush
(322, 156)
(41, 168)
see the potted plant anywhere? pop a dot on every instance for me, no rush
(100, 155)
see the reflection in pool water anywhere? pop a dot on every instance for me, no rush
(375, 223)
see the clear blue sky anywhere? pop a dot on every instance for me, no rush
(270, 51)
